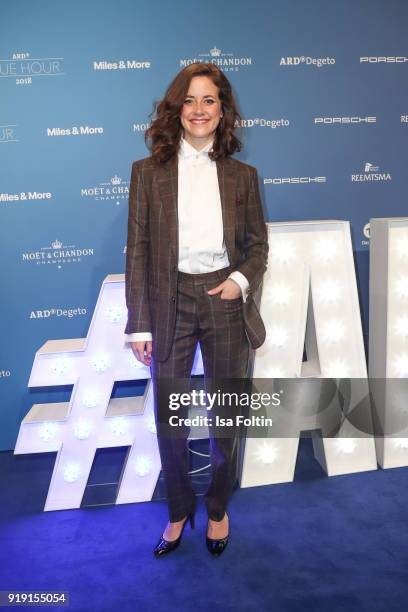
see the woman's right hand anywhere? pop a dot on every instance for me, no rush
(142, 351)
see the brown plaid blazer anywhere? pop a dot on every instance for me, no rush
(152, 245)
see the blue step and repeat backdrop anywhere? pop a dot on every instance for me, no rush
(323, 91)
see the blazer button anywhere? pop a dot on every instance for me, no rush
(173, 299)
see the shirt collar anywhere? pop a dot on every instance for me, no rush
(187, 151)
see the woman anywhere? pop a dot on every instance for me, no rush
(196, 253)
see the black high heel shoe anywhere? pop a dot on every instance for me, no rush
(216, 547)
(165, 546)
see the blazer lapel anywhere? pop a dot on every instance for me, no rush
(168, 186)
(227, 180)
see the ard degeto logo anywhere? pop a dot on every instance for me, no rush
(304, 60)
(114, 190)
(58, 254)
(225, 61)
(262, 122)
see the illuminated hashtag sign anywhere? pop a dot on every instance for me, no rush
(310, 301)
(309, 294)
(92, 419)
(388, 354)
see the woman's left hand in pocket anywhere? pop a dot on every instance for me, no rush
(228, 289)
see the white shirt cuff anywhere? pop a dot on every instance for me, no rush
(139, 337)
(242, 281)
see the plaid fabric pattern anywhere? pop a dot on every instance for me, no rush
(152, 245)
(218, 325)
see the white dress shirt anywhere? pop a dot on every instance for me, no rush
(200, 224)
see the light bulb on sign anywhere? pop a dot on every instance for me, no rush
(401, 326)
(401, 365)
(143, 465)
(402, 247)
(119, 426)
(60, 366)
(279, 294)
(401, 287)
(90, 399)
(277, 336)
(329, 292)
(71, 472)
(400, 443)
(82, 429)
(267, 452)
(325, 250)
(48, 431)
(100, 363)
(346, 446)
(283, 251)
(333, 331)
(276, 372)
(337, 369)
(114, 313)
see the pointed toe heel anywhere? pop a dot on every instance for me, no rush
(164, 546)
(216, 546)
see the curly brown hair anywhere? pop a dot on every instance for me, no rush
(164, 134)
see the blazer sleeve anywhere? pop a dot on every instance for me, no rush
(256, 244)
(137, 255)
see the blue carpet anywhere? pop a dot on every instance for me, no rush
(318, 544)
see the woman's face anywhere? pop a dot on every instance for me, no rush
(201, 111)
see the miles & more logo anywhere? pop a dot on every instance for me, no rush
(82, 130)
(123, 64)
(24, 196)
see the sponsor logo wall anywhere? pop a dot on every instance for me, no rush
(324, 120)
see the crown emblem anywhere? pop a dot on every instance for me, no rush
(56, 244)
(215, 52)
(116, 180)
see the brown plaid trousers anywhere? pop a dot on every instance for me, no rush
(178, 312)
(219, 327)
